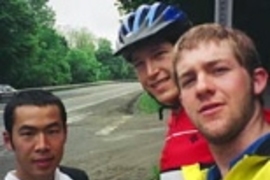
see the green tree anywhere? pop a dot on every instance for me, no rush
(51, 58)
(17, 39)
(32, 53)
(82, 68)
(43, 14)
(117, 67)
(82, 56)
(104, 55)
(80, 38)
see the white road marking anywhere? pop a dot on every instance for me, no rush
(103, 97)
(133, 134)
(110, 128)
(78, 118)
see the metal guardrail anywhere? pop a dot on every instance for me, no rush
(73, 86)
(6, 98)
(68, 86)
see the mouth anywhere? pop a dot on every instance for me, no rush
(43, 163)
(158, 84)
(210, 109)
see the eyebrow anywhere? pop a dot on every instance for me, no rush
(53, 125)
(206, 64)
(214, 62)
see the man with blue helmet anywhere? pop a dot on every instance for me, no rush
(146, 39)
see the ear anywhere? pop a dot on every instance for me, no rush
(7, 140)
(260, 77)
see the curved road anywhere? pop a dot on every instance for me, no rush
(76, 99)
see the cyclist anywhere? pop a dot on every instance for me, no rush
(146, 39)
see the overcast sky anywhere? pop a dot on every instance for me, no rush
(99, 16)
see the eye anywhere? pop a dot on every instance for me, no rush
(137, 63)
(27, 133)
(220, 70)
(187, 81)
(53, 131)
(160, 54)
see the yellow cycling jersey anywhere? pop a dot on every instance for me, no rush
(249, 168)
(193, 172)
(252, 164)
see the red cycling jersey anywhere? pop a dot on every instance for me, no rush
(184, 145)
(267, 115)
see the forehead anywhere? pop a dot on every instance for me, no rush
(36, 116)
(150, 47)
(205, 53)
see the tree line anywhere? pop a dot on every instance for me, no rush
(34, 53)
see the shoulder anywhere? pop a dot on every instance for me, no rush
(180, 118)
(11, 176)
(74, 173)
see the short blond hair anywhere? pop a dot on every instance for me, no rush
(242, 46)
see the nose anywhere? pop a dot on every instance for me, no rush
(204, 87)
(151, 68)
(42, 144)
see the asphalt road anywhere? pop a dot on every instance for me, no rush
(76, 99)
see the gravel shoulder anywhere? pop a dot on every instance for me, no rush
(115, 143)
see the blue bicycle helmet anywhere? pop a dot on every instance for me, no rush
(149, 21)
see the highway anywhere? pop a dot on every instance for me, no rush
(81, 98)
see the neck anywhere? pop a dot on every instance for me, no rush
(225, 153)
(27, 176)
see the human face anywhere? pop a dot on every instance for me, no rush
(38, 138)
(216, 91)
(153, 65)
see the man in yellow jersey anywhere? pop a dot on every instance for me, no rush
(221, 81)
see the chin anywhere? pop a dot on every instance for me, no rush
(217, 135)
(167, 99)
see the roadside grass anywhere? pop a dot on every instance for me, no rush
(155, 175)
(146, 104)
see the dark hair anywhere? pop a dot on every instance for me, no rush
(31, 97)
